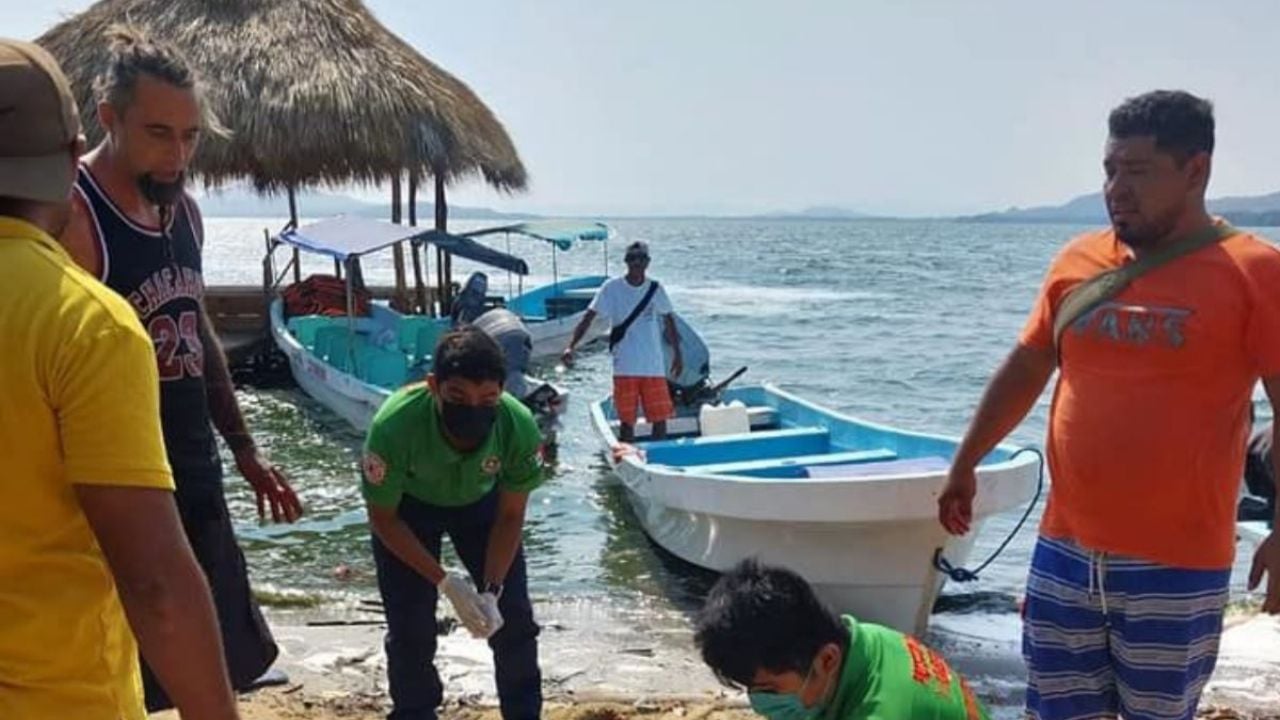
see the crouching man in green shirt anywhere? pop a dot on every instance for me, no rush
(763, 629)
(455, 456)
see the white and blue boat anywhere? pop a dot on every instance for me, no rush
(850, 505)
(552, 311)
(351, 363)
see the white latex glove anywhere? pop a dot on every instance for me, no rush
(492, 616)
(466, 603)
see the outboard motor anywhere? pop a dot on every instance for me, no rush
(469, 304)
(688, 388)
(508, 330)
(693, 388)
(1259, 478)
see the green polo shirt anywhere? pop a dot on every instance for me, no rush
(406, 452)
(891, 676)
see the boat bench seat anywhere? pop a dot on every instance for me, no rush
(417, 335)
(309, 330)
(907, 466)
(385, 368)
(336, 346)
(304, 328)
(558, 307)
(793, 466)
(744, 446)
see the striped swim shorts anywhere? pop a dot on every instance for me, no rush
(1106, 635)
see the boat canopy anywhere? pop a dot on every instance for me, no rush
(561, 233)
(347, 237)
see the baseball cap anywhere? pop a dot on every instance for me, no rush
(638, 249)
(38, 123)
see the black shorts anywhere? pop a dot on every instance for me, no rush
(246, 639)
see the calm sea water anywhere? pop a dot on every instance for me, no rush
(897, 322)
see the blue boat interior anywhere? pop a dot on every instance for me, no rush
(789, 439)
(386, 348)
(389, 348)
(557, 300)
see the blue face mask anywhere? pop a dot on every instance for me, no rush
(784, 706)
(779, 706)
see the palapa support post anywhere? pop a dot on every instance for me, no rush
(293, 222)
(445, 264)
(419, 290)
(401, 291)
(268, 272)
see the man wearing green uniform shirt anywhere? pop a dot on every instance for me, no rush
(763, 629)
(454, 456)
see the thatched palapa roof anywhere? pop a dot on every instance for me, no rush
(314, 91)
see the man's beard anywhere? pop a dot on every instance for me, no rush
(1145, 235)
(161, 194)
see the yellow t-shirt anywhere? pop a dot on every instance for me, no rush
(79, 404)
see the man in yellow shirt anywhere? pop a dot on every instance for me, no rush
(88, 529)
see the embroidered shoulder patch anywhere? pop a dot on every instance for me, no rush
(375, 468)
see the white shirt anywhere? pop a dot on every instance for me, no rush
(640, 352)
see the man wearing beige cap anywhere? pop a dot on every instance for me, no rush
(89, 532)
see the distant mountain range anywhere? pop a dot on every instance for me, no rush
(241, 202)
(1245, 211)
(1254, 210)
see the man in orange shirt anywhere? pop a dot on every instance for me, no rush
(1147, 433)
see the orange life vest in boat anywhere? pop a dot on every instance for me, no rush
(323, 295)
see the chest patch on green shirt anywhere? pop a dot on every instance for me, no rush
(406, 452)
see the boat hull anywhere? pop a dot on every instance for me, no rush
(351, 398)
(880, 572)
(551, 312)
(551, 337)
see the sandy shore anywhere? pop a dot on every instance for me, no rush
(273, 705)
(298, 705)
(599, 666)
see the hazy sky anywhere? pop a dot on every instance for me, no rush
(885, 107)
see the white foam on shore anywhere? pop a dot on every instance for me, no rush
(1248, 671)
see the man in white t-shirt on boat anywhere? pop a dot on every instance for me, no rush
(633, 305)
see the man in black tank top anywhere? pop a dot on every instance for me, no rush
(141, 234)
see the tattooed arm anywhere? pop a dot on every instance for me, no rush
(268, 481)
(224, 409)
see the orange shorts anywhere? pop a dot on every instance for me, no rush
(629, 392)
